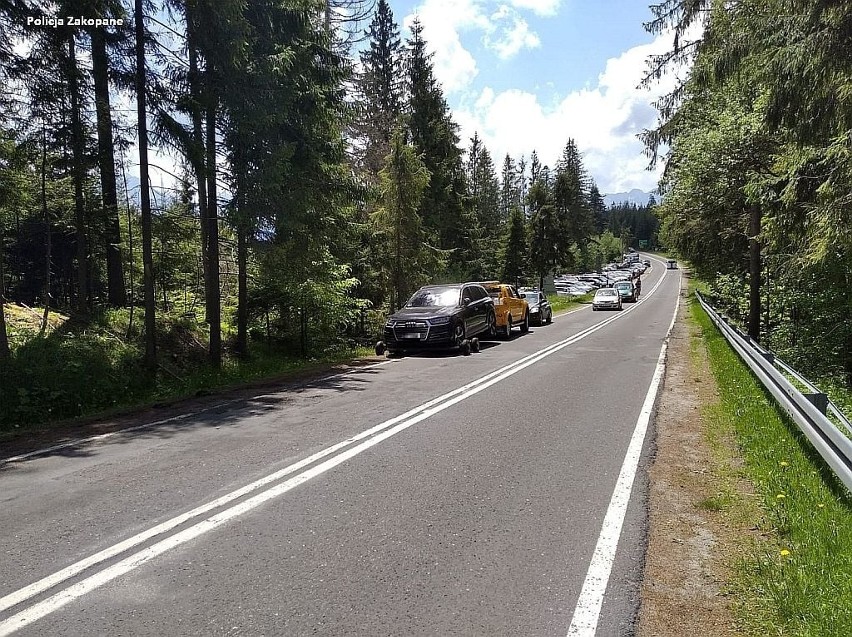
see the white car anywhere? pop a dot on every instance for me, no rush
(606, 299)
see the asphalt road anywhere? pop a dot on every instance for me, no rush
(432, 494)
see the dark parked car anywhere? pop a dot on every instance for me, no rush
(626, 291)
(440, 316)
(540, 310)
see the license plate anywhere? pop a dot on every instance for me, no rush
(411, 335)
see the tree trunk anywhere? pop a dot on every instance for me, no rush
(130, 258)
(213, 301)
(106, 162)
(78, 150)
(754, 269)
(48, 239)
(145, 197)
(4, 337)
(242, 294)
(198, 154)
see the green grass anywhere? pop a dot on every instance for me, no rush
(94, 369)
(793, 567)
(560, 303)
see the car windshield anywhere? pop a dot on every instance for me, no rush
(434, 297)
(623, 286)
(531, 297)
(605, 292)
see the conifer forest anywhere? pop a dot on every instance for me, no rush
(317, 178)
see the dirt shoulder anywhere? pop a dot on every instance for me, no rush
(683, 587)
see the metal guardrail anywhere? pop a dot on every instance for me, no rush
(808, 411)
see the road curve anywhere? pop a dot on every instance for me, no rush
(433, 494)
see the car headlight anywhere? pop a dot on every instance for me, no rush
(534, 310)
(389, 324)
(440, 320)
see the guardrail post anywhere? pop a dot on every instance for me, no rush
(819, 400)
(769, 356)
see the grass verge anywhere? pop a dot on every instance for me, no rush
(560, 303)
(93, 369)
(99, 401)
(793, 568)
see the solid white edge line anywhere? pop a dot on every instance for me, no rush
(63, 597)
(587, 611)
(21, 595)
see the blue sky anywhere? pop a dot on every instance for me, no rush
(529, 74)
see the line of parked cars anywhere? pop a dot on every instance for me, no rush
(459, 315)
(610, 274)
(626, 284)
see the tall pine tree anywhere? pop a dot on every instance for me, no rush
(434, 135)
(380, 87)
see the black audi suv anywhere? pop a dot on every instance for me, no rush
(440, 316)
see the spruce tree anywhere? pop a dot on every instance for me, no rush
(597, 207)
(546, 243)
(380, 88)
(508, 187)
(434, 135)
(404, 179)
(515, 250)
(571, 200)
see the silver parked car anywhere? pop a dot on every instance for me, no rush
(606, 299)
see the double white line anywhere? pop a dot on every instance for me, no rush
(348, 449)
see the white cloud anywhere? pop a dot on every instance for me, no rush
(442, 22)
(539, 7)
(603, 120)
(511, 39)
(504, 31)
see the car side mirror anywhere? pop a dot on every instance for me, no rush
(466, 301)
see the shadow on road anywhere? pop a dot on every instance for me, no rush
(225, 410)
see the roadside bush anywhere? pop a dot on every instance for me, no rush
(67, 375)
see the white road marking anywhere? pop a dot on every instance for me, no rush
(118, 432)
(587, 612)
(379, 433)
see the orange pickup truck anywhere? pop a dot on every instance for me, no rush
(510, 308)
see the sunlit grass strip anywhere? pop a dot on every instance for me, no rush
(795, 574)
(559, 303)
(262, 365)
(104, 400)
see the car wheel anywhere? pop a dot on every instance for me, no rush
(492, 325)
(380, 348)
(507, 329)
(525, 326)
(474, 345)
(549, 318)
(458, 335)
(465, 347)
(594, 309)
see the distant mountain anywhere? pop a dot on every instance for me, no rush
(635, 196)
